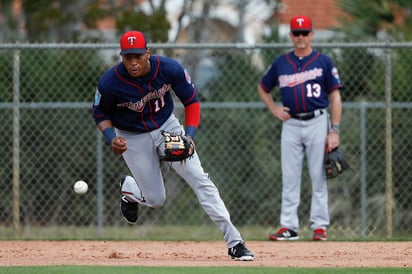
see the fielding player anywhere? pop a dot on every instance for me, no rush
(133, 105)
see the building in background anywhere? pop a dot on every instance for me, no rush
(324, 13)
(227, 17)
(222, 21)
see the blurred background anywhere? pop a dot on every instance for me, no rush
(53, 53)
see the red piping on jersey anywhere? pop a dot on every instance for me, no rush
(126, 81)
(149, 89)
(303, 88)
(142, 93)
(302, 85)
(138, 88)
(95, 114)
(264, 87)
(335, 87)
(191, 98)
(295, 88)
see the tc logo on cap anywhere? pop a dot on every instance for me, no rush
(133, 42)
(300, 23)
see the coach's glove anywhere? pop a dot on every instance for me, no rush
(335, 163)
(177, 147)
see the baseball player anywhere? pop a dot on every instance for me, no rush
(309, 84)
(133, 105)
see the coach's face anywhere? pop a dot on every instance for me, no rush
(301, 39)
(137, 65)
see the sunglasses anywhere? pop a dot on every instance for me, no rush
(299, 33)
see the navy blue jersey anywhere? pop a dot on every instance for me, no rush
(304, 83)
(142, 104)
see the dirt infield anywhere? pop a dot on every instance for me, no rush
(152, 253)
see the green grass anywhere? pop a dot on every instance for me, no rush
(192, 270)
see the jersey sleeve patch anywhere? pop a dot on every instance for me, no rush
(187, 76)
(335, 73)
(97, 97)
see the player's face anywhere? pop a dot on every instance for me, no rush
(137, 65)
(301, 39)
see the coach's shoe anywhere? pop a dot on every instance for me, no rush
(320, 234)
(240, 253)
(284, 234)
(128, 209)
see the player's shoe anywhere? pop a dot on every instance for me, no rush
(284, 234)
(320, 234)
(128, 209)
(240, 253)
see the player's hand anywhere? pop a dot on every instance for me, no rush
(192, 146)
(119, 145)
(332, 141)
(282, 113)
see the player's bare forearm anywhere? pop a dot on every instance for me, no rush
(104, 124)
(282, 113)
(118, 144)
(336, 107)
(333, 139)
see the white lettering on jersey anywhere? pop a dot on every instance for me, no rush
(292, 80)
(139, 105)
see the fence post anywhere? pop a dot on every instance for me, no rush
(388, 143)
(99, 178)
(363, 170)
(16, 144)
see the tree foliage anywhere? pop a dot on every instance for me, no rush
(74, 20)
(155, 25)
(371, 19)
(49, 20)
(387, 20)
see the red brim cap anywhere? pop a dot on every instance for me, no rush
(300, 23)
(133, 42)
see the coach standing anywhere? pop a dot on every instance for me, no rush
(309, 84)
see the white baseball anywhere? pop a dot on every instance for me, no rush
(80, 187)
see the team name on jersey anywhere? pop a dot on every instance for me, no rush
(139, 105)
(291, 80)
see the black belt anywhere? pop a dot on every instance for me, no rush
(304, 116)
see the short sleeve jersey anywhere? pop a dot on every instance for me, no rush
(142, 104)
(304, 83)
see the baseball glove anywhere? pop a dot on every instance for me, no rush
(335, 163)
(177, 147)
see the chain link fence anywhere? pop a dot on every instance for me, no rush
(49, 140)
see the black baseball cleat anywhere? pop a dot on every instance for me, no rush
(128, 209)
(284, 234)
(240, 253)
